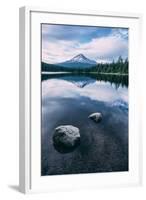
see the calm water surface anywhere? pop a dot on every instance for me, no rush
(69, 99)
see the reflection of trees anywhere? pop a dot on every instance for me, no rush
(117, 80)
(85, 79)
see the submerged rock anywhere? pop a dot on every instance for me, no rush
(66, 138)
(96, 117)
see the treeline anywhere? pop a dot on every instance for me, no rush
(53, 68)
(120, 67)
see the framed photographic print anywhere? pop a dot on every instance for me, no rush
(79, 100)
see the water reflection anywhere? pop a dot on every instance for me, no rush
(70, 99)
(117, 80)
(77, 86)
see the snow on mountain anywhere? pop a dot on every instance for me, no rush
(79, 61)
(82, 59)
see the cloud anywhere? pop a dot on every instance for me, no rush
(54, 52)
(60, 43)
(109, 47)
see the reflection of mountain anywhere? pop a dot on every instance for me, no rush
(81, 80)
(79, 61)
(120, 104)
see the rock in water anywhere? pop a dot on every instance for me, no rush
(66, 138)
(96, 117)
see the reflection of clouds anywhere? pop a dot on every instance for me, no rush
(120, 104)
(100, 91)
(123, 93)
(59, 88)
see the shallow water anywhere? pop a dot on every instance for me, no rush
(69, 99)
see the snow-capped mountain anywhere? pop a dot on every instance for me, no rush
(82, 59)
(79, 61)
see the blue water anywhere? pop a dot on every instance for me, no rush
(69, 99)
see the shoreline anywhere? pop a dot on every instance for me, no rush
(114, 74)
(117, 74)
(55, 73)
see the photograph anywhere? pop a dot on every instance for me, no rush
(84, 99)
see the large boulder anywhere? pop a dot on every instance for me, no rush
(66, 138)
(96, 117)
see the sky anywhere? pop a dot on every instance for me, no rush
(102, 44)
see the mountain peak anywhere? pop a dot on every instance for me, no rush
(78, 61)
(79, 56)
(82, 59)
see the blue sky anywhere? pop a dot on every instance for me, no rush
(102, 44)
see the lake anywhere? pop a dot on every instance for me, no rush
(68, 99)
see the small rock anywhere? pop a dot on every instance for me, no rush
(96, 117)
(66, 138)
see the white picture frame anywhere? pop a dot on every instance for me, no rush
(30, 178)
